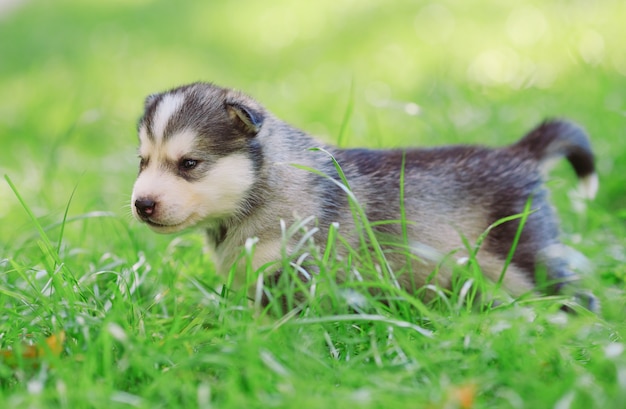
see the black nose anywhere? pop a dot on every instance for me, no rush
(145, 207)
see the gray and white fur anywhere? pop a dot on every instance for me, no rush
(214, 158)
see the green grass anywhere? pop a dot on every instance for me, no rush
(147, 321)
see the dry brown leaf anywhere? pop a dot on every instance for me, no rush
(464, 395)
(53, 345)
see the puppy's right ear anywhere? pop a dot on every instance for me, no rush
(246, 119)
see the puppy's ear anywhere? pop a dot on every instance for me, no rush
(246, 119)
(150, 99)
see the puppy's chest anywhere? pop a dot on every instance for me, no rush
(222, 247)
(239, 248)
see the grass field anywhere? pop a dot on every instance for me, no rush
(145, 320)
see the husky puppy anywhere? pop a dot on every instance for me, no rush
(214, 158)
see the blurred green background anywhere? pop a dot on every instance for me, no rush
(73, 76)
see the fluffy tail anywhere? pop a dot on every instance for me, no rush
(554, 139)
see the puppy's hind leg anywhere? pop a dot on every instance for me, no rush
(555, 259)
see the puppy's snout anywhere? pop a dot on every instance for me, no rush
(145, 207)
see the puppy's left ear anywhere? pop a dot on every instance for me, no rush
(245, 118)
(150, 100)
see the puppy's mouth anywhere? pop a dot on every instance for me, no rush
(165, 228)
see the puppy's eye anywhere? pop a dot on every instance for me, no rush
(188, 164)
(143, 162)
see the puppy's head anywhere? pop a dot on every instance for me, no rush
(198, 156)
